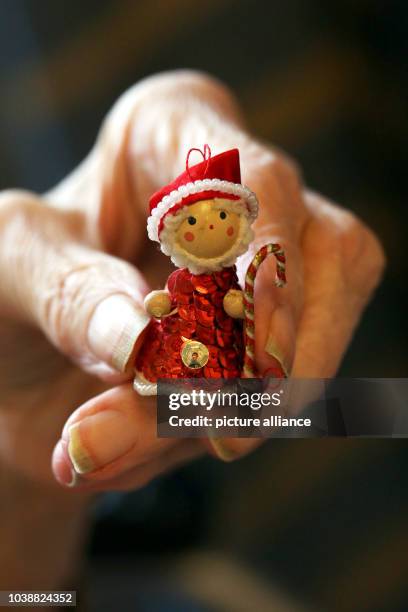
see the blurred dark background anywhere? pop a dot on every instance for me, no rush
(320, 522)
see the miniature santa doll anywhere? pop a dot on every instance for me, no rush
(202, 221)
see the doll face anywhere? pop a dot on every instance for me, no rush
(209, 231)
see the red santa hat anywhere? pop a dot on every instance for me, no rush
(215, 177)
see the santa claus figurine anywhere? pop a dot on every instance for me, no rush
(202, 221)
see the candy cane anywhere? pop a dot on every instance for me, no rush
(249, 324)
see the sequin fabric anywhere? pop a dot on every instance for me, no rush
(200, 316)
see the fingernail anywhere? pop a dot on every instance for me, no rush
(277, 367)
(62, 467)
(275, 370)
(114, 329)
(229, 449)
(99, 439)
(221, 450)
(280, 343)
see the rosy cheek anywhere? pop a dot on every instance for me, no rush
(189, 236)
(230, 231)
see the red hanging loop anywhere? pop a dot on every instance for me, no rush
(206, 154)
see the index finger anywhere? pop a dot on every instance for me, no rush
(141, 146)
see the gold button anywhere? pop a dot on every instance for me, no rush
(194, 354)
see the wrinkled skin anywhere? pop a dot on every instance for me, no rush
(55, 273)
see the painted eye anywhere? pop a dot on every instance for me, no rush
(192, 220)
(223, 215)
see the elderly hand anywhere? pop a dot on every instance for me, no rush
(75, 266)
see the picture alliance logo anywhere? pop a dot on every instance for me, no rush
(225, 399)
(244, 407)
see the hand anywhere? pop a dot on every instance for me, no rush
(157, 303)
(233, 303)
(71, 293)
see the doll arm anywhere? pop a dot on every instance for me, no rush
(157, 303)
(233, 303)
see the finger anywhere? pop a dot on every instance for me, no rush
(197, 109)
(277, 310)
(142, 146)
(144, 141)
(138, 477)
(229, 449)
(108, 438)
(184, 452)
(89, 304)
(280, 221)
(343, 265)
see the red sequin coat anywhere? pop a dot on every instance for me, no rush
(200, 316)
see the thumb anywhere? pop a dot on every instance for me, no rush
(89, 304)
